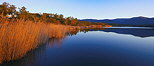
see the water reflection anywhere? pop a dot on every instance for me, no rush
(135, 32)
(38, 56)
(94, 47)
(75, 32)
(138, 32)
(55, 42)
(31, 58)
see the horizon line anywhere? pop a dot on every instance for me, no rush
(117, 17)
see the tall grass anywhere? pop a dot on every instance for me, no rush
(17, 37)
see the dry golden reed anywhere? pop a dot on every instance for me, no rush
(18, 37)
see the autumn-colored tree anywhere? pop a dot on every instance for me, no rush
(74, 22)
(10, 11)
(4, 9)
(23, 13)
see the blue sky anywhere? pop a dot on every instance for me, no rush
(86, 9)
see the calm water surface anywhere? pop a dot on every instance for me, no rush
(109, 47)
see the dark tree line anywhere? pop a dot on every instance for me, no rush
(10, 11)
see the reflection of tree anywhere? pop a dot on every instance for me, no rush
(97, 29)
(74, 32)
(85, 30)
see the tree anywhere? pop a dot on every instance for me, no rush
(12, 11)
(74, 22)
(4, 10)
(23, 13)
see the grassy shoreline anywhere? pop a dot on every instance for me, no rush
(22, 31)
(17, 38)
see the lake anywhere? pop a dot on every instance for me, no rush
(93, 47)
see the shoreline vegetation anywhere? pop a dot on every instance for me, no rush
(22, 31)
(16, 39)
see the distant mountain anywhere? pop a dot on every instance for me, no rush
(143, 21)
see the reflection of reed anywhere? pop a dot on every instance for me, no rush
(36, 56)
(31, 59)
(55, 42)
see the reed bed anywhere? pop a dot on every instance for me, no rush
(17, 37)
